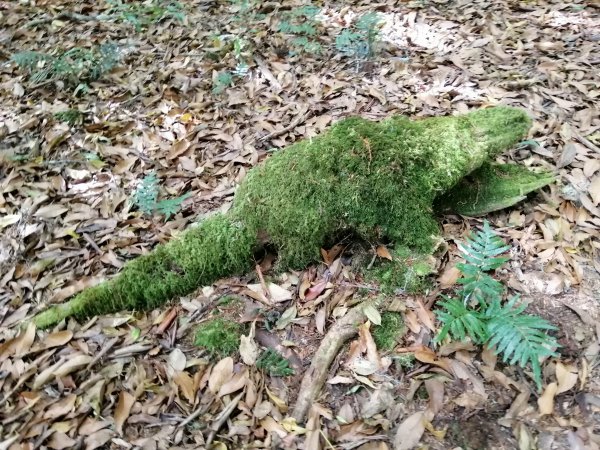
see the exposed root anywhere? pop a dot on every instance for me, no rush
(315, 376)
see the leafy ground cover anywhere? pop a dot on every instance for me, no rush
(195, 94)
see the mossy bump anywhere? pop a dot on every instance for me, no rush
(376, 179)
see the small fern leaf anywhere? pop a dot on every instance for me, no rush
(520, 338)
(482, 248)
(170, 206)
(460, 321)
(146, 194)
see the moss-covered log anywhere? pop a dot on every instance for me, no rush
(371, 178)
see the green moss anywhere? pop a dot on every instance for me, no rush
(492, 187)
(217, 247)
(390, 331)
(408, 271)
(219, 337)
(375, 179)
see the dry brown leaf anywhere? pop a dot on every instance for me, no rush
(62, 407)
(410, 431)
(234, 384)
(97, 439)
(594, 189)
(57, 339)
(72, 364)
(220, 374)
(546, 400)
(566, 376)
(122, 410)
(186, 386)
(435, 391)
(383, 252)
(51, 211)
(448, 277)
(60, 441)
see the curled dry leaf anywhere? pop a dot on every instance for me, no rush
(383, 252)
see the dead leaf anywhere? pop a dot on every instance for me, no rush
(248, 347)
(51, 211)
(186, 386)
(546, 400)
(122, 410)
(594, 190)
(410, 431)
(220, 374)
(383, 252)
(448, 277)
(316, 290)
(567, 377)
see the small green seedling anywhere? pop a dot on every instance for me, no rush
(145, 198)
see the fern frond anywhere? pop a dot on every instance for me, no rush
(520, 338)
(30, 60)
(482, 249)
(478, 285)
(461, 321)
(169, 207)
(146, 194)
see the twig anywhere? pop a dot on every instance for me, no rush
(293, 124)
(222, 418)
(202, 408)
(585, 142)
(110, 344)
(167, 321)
(92, 243)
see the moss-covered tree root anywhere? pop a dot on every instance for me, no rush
(218, 247)
(376, 179)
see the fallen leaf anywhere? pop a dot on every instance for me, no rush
(249, 348)
(567, 377)
(122, 410)
(594, 190)
(316, 290)
(220, 374)
(383, 252)
(51, 211)
(546, 400)
(410, 431)
(186, 385)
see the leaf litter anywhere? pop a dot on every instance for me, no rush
(137, 381)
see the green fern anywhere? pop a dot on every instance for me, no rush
(143, 14)
(480, 314)
(272, 362)
(74, 66)
(145, 198)
(461, 321)
(360, 41)
(71, 116)
(301, 23)
(519, 338)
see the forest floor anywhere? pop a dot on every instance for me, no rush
(199, 98)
